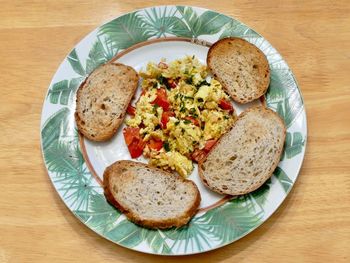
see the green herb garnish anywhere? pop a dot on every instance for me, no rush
(155, 107)
(161, 80)
(166, 146)
(189, 80)
(203, 83)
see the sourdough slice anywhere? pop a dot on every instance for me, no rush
(102, 100)
(150, 196)
(240, 67)
(246, 156)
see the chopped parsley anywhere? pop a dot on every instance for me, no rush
(187, 121)
(189, 80)
(166, 146)
(155, 107)
(161, 80)
(203, 83)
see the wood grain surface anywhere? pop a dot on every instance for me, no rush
(312, 225)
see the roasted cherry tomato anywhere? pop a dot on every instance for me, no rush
(155, 144)
(134, 141)
(193, 120)
(165, 118)
(161, 99)
(131, 110)
(225, 105)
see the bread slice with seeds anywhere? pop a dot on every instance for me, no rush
(246, 156)
(240, 67)
(149, 196)
(102, 100)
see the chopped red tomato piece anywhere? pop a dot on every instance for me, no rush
(193, 120)
(172, 83)
(209, 144)
(165, 118)
(136, 148)
(162, 65)
(198, 155)
(130, 133)
(134, 141)
(161, 99)
(131, 110)
(225, 105)
(155, 144)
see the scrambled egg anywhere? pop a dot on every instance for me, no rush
(193, 117)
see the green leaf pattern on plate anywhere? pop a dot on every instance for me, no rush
(64, 160)
(282, 177)
(63, 92)
(99, 215)
(294, 144)
(75, 63)
(74, 182)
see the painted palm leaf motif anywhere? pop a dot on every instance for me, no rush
(100, 216)
(125, 31)
(156, 239)
(159, 22)
(238, 215)
(260, 194)
(193, 25)
(236, 29)
(65, 161)
(284, 96)
(294, 144)
(283, 178)
(126, 234)
(63, 92)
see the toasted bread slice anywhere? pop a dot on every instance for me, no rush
(150, 196)
(246, 156)
(240, 67)
(102, 100)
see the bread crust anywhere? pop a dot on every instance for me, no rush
(260, 90)
(267, 175)
(104, 135)
(153, 224)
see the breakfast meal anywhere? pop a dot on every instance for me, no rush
(149, 196)
(179, 116)
(183, 115)
(246, 156)
(240, 67)
(102, 100)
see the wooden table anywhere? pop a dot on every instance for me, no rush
(312, 225)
